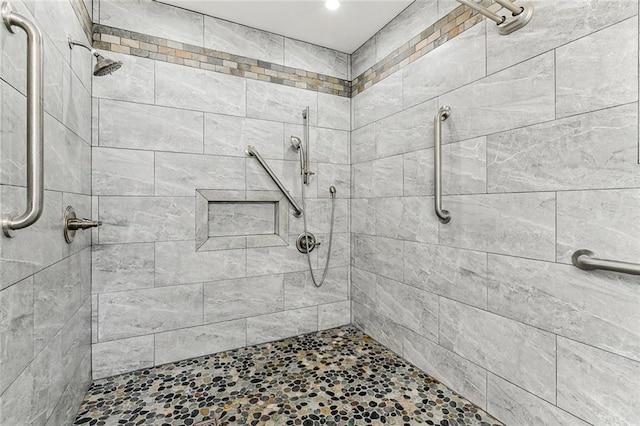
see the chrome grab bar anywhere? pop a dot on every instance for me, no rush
(35, 121)
(521, 15)
(443, 113)
(588, 261)
(252, 152)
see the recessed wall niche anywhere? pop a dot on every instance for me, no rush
(227, 219)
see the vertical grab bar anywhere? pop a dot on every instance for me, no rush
(35, 122)
(443, 113)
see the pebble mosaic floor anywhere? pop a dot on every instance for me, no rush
(333, 377)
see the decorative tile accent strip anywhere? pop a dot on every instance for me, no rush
(83, 16)
(447, 28)
(160, 49)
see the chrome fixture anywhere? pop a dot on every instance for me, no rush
(442, 115)
(104, 65)
(588, 261)
(35, 124)
(520, 15)
(306, 242)
(71, 224)
(303, 148)
(252, 152)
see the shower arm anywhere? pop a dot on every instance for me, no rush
(35, 124)
(72, 43)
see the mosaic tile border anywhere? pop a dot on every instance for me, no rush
(83, 16)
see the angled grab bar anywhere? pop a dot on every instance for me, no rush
(443, 113)
(35, 117)
(252, 152)
(521, 15)
(588, 261)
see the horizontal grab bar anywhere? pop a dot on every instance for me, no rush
(588, 261)
(252, 152)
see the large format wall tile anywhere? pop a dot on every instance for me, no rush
(605, 222)
(243, 297)
(513, 224)
(228, 135)
(122, 172)
(515, 406)
(363, 58)
(299, 290)
(363, 144)
(280, 103)
(598, 71)
(277, 260)
(226, 36)
(590, 151)
(363, 288)
(449, 66)
(582, 368)
(196, 89)
(120, 356)
(134, 81)
(406, 131)
(569, 302)
(266, 328)
(381, 328)
(138, 312)
(453, 273)
(118, 267)
(379, 101)
(379, 178)
(136, 126)
(379, 255)
(522, 354)
(177, 345)
(310, 57)
(334, 315)
(406, 218)
(518, 96)
(334, 112)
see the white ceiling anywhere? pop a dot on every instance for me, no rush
(344, 30)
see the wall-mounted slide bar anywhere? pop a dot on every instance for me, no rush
(443, 114)
(35, 116)
(588, 261)
(251, 152)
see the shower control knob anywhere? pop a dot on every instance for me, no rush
(71, 224)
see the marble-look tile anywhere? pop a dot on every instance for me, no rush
(57, 20)
(76, 340)
(515, 406)
(319, 217)
(463, 169)
(181, 174)
(48, 380)
(317, 59)
(13, 67)
(328, 146)
(379, 255)
(228, 135)
(407, 218)
(454, 371)
(267, 328)
(340, 250)
(406, 131)
(364, 57)
(453, 273)
(63, 158)
(277, 260)
(527, 97)
(16, 328)
(136, 126)
(299, 290)
(494, 342)
(363, 144)
(242, 297)
(178, 263)
(94, 318)
(567, 301)
(240, 219)
(554, 24)
(53, 79)
(363, 288)
(408, 306)
(76, 107)
(379, 178)
(409, 23)
(598, 71)
(58, 292)
(134, 81)
(275, 102)
(196, 89)
(337, 175)
(67, 408)
(197, 341)
(146, 219)
(13, 128)
(119, 356)
(605, 222)
(589, 151)
(363, 215)
(226, 36)
(334, 112)
(334, 315)
(453, 64)
(381, 328)
(289, 174)
(82, 206)
(512, 224)
(379, 101)
(139, 312)
(582, 368)
(153, 18)
(120, 267)
(122, 172)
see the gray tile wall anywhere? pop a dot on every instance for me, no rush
(45, 284)
(540, 159)
(162, 131)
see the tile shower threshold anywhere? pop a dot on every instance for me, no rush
(334, 377)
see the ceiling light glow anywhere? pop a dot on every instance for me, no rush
(332, 4)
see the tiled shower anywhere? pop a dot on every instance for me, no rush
(196, 253)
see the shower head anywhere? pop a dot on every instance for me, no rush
(295, 141)
(105, 66)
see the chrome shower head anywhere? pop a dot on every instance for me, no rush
(296, 142)
(105, 66)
